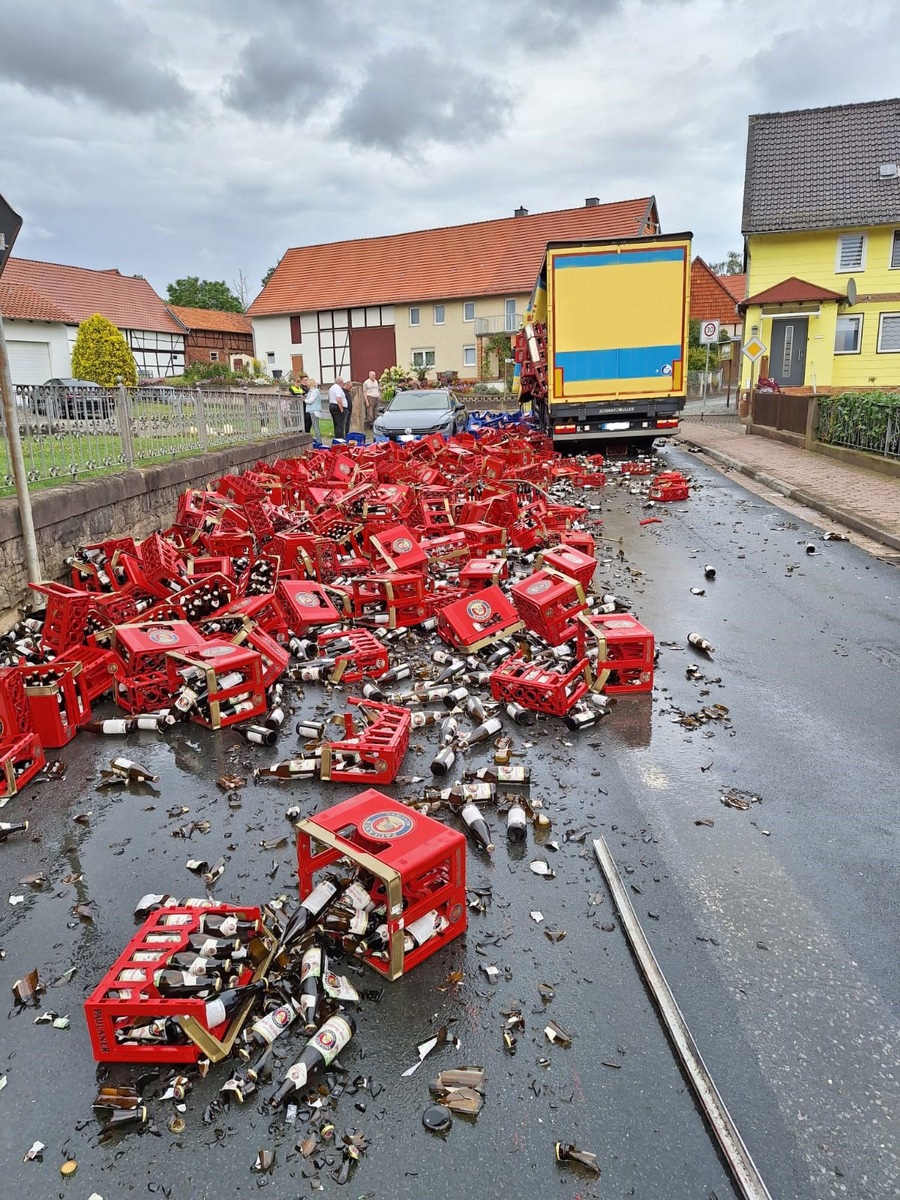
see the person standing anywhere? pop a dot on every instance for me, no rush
(371, 396)
(348, 411)
(337, 404)
(313, 404)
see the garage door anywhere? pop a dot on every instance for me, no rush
(29, 362)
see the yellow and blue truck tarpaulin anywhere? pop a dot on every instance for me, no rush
(617, 320)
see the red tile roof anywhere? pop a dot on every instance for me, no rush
(211, 319)
(736, 284)
(486, 258)
(792, 291)
(18, 301)
(710, 298)
(126, 300)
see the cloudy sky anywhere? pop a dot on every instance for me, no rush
(204, 138)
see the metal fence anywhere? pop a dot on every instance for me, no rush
(70, 434)
(861, 422)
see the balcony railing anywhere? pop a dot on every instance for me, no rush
(498, 323)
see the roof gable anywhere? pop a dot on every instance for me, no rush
(792, 291)
(211, 319)
(818, 168)
(127, 301)
(485, 258)
(710, 298)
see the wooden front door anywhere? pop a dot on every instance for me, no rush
(787, 357)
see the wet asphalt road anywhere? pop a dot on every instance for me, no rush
(776, 927)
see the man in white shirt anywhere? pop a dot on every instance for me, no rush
(337, 404)
(371, 395)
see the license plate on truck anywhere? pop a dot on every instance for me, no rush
(615, 426)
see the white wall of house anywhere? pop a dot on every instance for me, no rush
(38, 350)
(272, 336)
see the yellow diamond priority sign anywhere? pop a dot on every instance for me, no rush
(754, 349)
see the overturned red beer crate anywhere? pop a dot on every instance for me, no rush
(365, 655)
(399, 550)
(21, 753)
(569, 560)
(65, 620)
(372, 752)
(538, 687)
(482, 572)
(417, 863)
(476, 621)
(99, 668)
(549, 604)
(625, 664)
(391, 600)
(305, 605)
(669, 485)
(127, 996)
(58, 701)
(233, 679)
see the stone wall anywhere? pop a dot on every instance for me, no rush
(130, 503)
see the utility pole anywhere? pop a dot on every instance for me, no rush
(14, 441)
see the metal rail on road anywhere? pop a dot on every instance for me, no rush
(737, 1155)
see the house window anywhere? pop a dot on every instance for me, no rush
(469, 309)
(851, 252)
(439, 314)
(848, 335)
(509, 312)
(895, 250)
(213, 356)
(889, 333)
(413, 316)
(423, 358)
(270, 357)
(468, 356)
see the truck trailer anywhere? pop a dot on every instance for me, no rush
(602, 353)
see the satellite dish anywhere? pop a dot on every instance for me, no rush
(851, 291)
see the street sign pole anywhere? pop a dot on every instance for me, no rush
(14, 441)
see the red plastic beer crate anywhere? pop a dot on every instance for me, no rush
(419, 867)
(66, 616)
(58, 707)
(626, 653)
(482, 572)
(216, 660)
(570, 561)
(636, 467)
(210, 564)
(476, 621)
(578, 539)
(399, 550)
(21, 757)
(379, 746)
(15, 712)
(539, 688)
(305, 605)
(118, 1002)
(99, 667)
(236, 543)
(142, 647)
(393, 600)
(669, 485)
(446, 546)
(263, 610)
(367, 657)
(484, 540)
(274, 656)
(549, 604)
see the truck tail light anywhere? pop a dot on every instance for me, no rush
(564, 428)
(666, 422)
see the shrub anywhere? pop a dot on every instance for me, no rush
(101, 354)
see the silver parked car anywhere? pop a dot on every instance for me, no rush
(418, 413)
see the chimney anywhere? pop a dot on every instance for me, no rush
(520, 212)
(592, 202)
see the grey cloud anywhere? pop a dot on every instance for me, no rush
(98, 53)
(537, 23)
(410, 95)
(290, 81)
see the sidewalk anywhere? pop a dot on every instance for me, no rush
(862, 500)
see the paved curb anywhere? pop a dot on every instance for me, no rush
(836, 513)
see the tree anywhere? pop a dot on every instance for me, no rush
(101, 354)
(241, 288)
(192, 292)
(733, 264)
(268, 275)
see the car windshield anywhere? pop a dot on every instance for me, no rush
(417, 401)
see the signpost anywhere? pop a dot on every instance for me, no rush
(753, 349)
(10, 224)
(709, 336)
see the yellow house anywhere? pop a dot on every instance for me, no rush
(821, 226)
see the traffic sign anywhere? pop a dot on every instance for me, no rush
(754, 349)
(10, 224)
(709, 333)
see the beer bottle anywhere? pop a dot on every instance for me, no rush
(257, 735)
(503, 776)
(132, 771)
(228, 925)
(274, 718)
(423, 929)
(477, 826)
(395, 674)
(112, 726)
(291, 768)
(371, 691)
(121, 1118)
(213, 947)
(267, 1028)
(457, 697)
(228, 1003)
(475, 710)
(197, 964)
(310, 729)
(308, 912)
(319, 1053)
(517, 713)
(311, 969)
(582, 717)
(443, 760)
(489, 729)
(8, 827)
(700, 643)
(709, 572)
(160, 1031)
(182, 983)
(516, 823)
